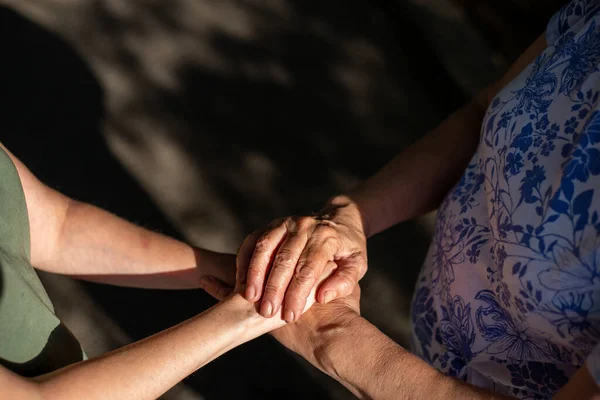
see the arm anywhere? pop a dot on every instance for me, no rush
(411, 184)
(338, 341)
(148, 368)
(73, 238)
(350, 347)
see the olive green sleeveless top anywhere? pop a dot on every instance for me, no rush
(33, 341)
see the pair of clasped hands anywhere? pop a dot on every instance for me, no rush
(296, 261)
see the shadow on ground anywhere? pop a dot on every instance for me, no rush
(273, 113)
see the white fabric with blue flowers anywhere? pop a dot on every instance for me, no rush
(509, 296)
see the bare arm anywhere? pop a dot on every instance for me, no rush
(352, 346)
(338, 341)
(73, 238)
(347, 349)
(148, 368)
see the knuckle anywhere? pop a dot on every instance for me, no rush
(277, 223)
(330, 243)
(285, 258)
(305, 274)
(255, 270)
(326, 231)
(271, 289)
(304, 222)
(263, 244)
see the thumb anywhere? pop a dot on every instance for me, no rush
(215, 287)
(341, 284)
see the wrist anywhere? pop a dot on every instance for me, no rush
(328, 340)
(347, 209)
(249, 322)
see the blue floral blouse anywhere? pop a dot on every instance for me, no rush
(509, 296)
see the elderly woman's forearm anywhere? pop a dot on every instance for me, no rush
(372, 366)
(415, 181)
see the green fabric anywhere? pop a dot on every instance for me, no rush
(33, 341)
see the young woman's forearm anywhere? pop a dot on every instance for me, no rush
(78, 239)
(96, 245)
(416, 180)
(148, 368)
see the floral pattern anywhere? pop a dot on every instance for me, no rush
(509, 296)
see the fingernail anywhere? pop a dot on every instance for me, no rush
(289, 316)
(250, 292)
(267, 308)
(328, 296)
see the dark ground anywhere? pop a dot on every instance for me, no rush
(204, 120)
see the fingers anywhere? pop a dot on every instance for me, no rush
(244, 255)
(311, 264)
(283, 268)
(264, 252)
(215, 287)
(342, 283)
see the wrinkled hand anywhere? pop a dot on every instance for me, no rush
(287, 258)
(311, 334)
(220, 290)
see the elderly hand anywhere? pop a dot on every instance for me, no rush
(315, 331)
(287, 258)
(311, 334)
(221, 290)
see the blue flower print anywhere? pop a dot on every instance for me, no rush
(571, 124)
(468, 186)
(521, 344)
(591, 132)
(509, 295)
(569, 272)
(505, 118)
(540, 84)
(547, 148)
(512, 339)
(448, 250)
(531, 184)
(572, 11)
(473, 254)
(582, 163)
(569, 312)
(582, 160)
(584, 56)
(523, 140)
(424, 317)
(514, 163)
(541, 378)
(457, 330)
(542, 124)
